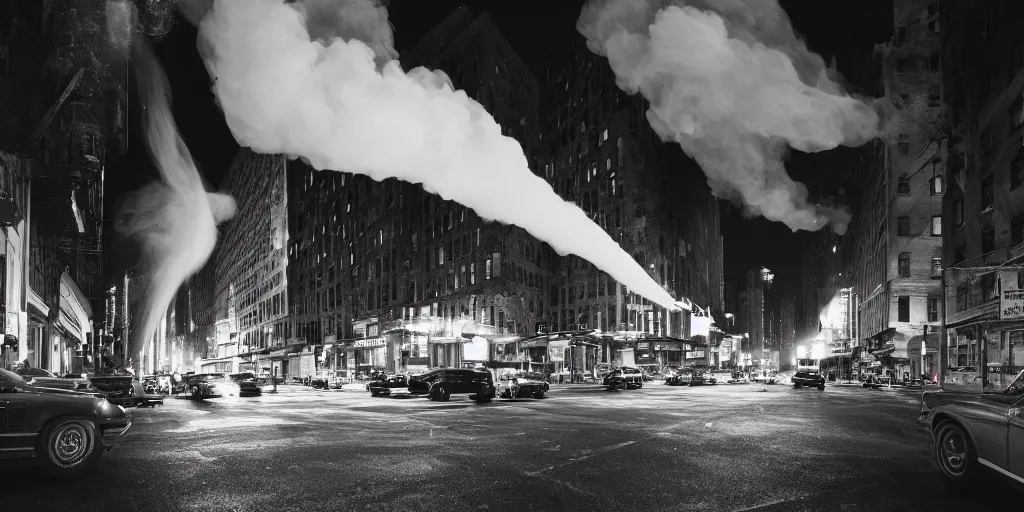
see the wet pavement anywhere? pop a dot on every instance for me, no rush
(660, 448)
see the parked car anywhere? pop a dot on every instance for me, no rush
(66, 430)
(117, 388)
(388, 385)
(46, 379)
(679, 377)
(144, 398)
(972, 429)
(765, 377)
(625, 377)
(522, 385)
(204, 385)
(246, 383)
(440, 384)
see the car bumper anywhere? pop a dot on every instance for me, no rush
(111, 433)
(808, 382)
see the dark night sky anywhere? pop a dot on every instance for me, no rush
(838, 28)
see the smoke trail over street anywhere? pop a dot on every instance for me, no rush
(174, 219)
(731, 82)
(337, 99)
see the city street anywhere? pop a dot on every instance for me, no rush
(660, 448)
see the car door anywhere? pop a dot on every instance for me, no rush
(1015, 440)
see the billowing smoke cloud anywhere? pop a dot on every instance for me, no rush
(175, 219)
(343, 105)
(731, 82)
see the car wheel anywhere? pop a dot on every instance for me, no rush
(640, 384)
(821, 387)
(374, 393)
(797, 386)
(440, 393)
(954, 452)
(198, 395)
(69, 446)
(483, 397)
(539, 394)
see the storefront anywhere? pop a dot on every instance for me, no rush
(369, 355)
(659, 353)
(445, 352)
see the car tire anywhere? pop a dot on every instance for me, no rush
(955, 452)
(374, 393)
(797, 386)
(440, 393)
(196, 394)
(640, 385)
(483, 397)
(821, 387)
(69, 447)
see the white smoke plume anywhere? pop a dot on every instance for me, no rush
(175, 219)
(731, 82)
(342, 104)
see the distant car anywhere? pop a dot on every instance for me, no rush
(679, 377)
(66, 430)
(440, 384)
(117, 388)
(247, 384)
(203, 385)
(388, 385)
(765, 378)
(522, 385)
(144, 399)
(624, 378)
(808, 373)
(971, 429)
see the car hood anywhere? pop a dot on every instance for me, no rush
(56, 391)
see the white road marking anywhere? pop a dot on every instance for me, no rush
(595, 453)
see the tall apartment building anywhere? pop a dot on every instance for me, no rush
(890, 256)
(57, 107)
(390, 264)
(249, 286)
(983, 228)
(601, 154)
(750, 323)
(787, 332)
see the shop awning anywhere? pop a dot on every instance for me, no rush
(534, 343)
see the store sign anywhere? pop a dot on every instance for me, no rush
(1011, 298)
(368, 343)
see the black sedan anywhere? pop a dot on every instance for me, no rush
(66, 431)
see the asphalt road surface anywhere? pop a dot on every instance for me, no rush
(581, 448)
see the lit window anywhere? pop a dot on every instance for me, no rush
(487, 269)
(604, 135)
(936, 225)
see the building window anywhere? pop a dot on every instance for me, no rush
(958, 213)
(936, 185)
(1017, 229)
(620, 151)
(903, 308)
(988, 287)
(1017, 170)
(903, 145)
(934, 96)
(903, 264)
(903, 186)
(933, 309)
(987, 194)
(903, 226)
(988, 240)
(933, 25)
(472, 273)
(934, 61)
(936, 225)
(936, 267)
(440, 256)
(604, 135)
(1017, 113)
(487, 269)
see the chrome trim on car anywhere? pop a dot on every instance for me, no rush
(1001, 470)
(115, 432)
(20, 434)
(19, 449)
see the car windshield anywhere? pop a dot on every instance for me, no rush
(10, 378)
(34, 372)
(1017, 386)
(242, 376)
